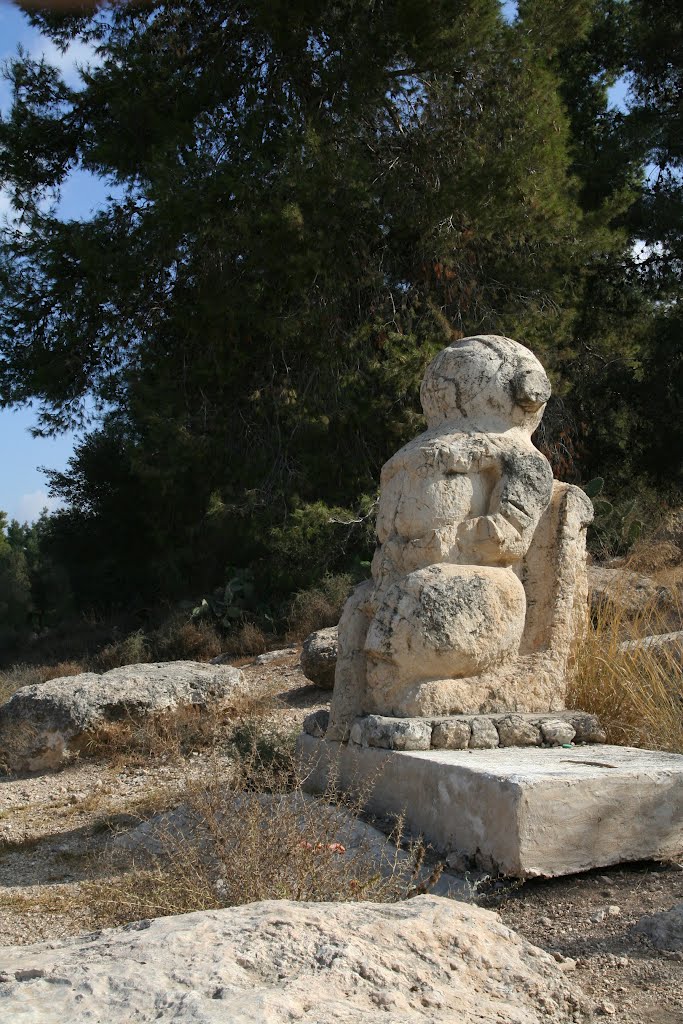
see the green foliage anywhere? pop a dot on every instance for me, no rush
(15, 596)
(229, 603)
(311, 200)
(616, 526)
(34, 591)
(317, 540)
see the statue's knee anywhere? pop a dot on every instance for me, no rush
(447, 621)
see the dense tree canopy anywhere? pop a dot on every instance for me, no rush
(307, 201)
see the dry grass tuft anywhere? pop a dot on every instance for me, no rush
(660, 555)
(175, 734)
(133, 649)
(180, 640)
(20, 675)
(246, 640)
(653, 556)
(65, 900)
(636, 691)
(177, 640)
(254, 835)
(318, 607)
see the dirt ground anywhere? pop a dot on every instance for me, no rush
(52, 824)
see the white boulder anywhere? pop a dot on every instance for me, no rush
(319, 657)
(424, 960)
(39, 724)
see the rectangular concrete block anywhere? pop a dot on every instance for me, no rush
(521, 811)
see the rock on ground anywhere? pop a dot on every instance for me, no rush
(427, 959)
(319, 657)
(39, 723)
(667, 646)
(629, 592)
(664, 930)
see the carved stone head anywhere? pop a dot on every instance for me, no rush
(485, 382)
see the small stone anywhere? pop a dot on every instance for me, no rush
(392, 733)
(355, 736)
(607, 1008)
(516, 731)
(587, 728)
(556, 732)
(458, 861)
(546, 922)
(316, 723)
(453, 734)
(598, 916)
(614, 910)
(665, 929)
(268, 656)
(484, 734)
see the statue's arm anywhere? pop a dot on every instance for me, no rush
(517, 503)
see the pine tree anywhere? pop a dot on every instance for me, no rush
(310, 199)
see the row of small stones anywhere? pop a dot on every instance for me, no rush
(476, 733)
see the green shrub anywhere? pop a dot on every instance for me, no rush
(318, 540)
(131, 650)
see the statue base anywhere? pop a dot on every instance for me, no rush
(462, 732)
(520, 812)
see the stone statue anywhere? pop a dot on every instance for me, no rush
(480, 566)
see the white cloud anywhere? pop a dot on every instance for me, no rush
(31, 505)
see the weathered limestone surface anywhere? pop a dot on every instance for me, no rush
(319, 657)
(479, 572)
(523, 811)
(40, 723)
(425, 960)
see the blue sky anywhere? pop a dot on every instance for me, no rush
(23, 488)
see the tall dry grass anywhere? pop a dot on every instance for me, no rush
(636, 689)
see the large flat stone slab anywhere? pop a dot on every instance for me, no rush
(521, 811)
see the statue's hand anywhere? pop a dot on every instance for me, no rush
(489, 540)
